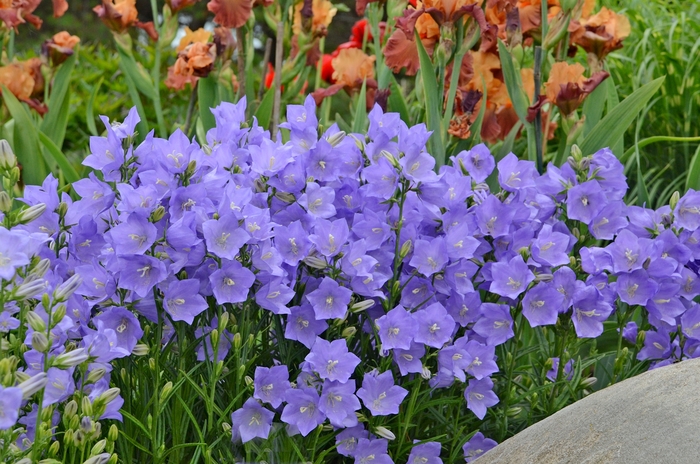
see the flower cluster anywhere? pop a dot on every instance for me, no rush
(364, 269)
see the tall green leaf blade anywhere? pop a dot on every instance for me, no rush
(514, 83)
(360, 119)
(612, 127)
(26, 143)
(397, 102)
(138, 76)
(593, 108)
(55, 121)
(89, 110)
(264, 111)
(433, 102)
(642, 192)
(53, 153)
(613, 100)
(208, 98)
(693, 179)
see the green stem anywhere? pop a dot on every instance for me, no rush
(657, 138)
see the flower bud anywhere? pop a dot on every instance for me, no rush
(67, 288)
(285, 197)
(358, 143)
(158, 214)
(5, 202)
(140, 350)
(8, 160)
(362, 306)
(223, 320)
(336, 138)
(152, 364)
(62, 209)
(86, 407)
(109, 395)
(53, 450)
(96, 374)
(191, 168)
(35, 321)
(514, 411)
(25, 460)
(113, 433)
(589, 382)
(70, 358)
(545, 277)
(33, 385)
(166, 390)
(58, 315)
(39, 270)
(576, 153)
(40, 342)
(99, 459)
(557, 30)
(674, 200)
(315, 262)
(348, 332)
(70, 410)
(425, 373)
(14, 176)
(226, 427)
(405, 248)
(31, 213)
(237, 341)
(29, 289)
(99, 447)
(384, 433)
(49, 461)
(248, 380)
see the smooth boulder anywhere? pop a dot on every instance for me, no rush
(651, 418)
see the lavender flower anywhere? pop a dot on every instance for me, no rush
(429, 257)
(426, 453)
(480, 395)
(182, 300)
(380, 395)
(223, 236)
(374, 451)
(302, 410)
(396, 329)
(330, 300)
(435, 325)
(332, 360)
(303, 326)
(477, 446)
(231, 283)
(339, 403)
(251, 421)
(510, 278)
(496, 325)
(271, 384)
(10, 402)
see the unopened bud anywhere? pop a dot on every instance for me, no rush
(96, 374)
(35, 321)
(99, 447)
(285, 197)
(33, 385)
(113, 433)
(29, 289)
(362, 306)
(384, 433)
(358, 143)
(674, 200)
(8, 160)
(99, 459)
(31, 213)
(191, 168)
(158, 214)
(70, 359)
(545, 277)
(67, 288)
(576, 153)
(248, 380)
(58, 315)
(336, 138)
(140, 350)
(109, 395)
(405, 249)
(391, 158)
(53, 450)
(62, 209)
(348, 332)
(315, 262)
(41, 267)
(425, 373)
(70, 410)
(589, 382)
(223, 320)
(237, 341)
(14, 176)
(641, 336)
(86, 407)
(514, 411)
(167, 390)
(557, 30)
(5, 202)
(40, 342)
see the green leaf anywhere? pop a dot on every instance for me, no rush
(642, 193)
(610, 129)
(397, 102)
(613, 100)
(514, 83)
(55, 121)
(433, 103)
(693, 179)
(593, 108)
(208, 98)
(137, 74)
(360, 119)
(344, 126)
(53, 153)
(264, 111)
(89, 110)
(26, 146)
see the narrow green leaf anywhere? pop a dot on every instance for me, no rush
(53, 153)
(26, 143)
(264, 111)
(593, 108)
(612, 127)
(360, 119)
(137, 74)
(642, 193)
(208, 98)
(89, 109)
(344, 126)
(693, 179)
(613, 100)
(513, 82)
(397, 102)
(55, 121)
(508, 143)
(433, 102)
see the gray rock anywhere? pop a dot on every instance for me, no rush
(652, 418)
